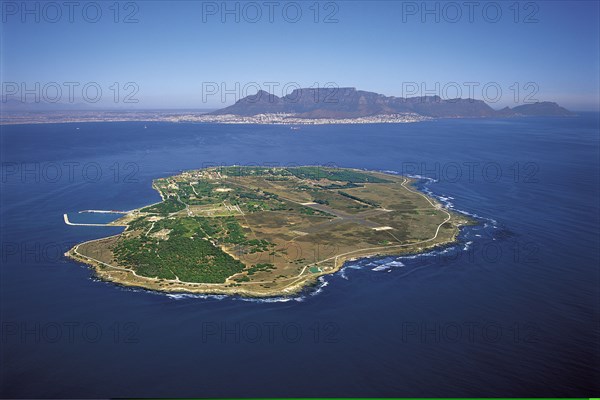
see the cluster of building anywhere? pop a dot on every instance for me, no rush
(161, 116)
(292, 119)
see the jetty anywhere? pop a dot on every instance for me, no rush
(104, 211)
(66, 218)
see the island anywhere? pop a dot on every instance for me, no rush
(266, 231)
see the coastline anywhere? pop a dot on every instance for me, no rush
(226, 119)
(128, 277)
(122, 276)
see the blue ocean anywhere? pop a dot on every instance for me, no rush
(512, 309)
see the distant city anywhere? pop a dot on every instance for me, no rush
(338, 106)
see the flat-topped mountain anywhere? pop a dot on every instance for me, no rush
(348, 102)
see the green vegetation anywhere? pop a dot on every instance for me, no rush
(259, 245)
(334, 174)
(348, 185)
(258, 230)
(189, 259)
(170, 205)
(190, 250)
(309, 172)
(259, 267)
(348, 195)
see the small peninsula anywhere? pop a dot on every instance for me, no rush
(266, 231)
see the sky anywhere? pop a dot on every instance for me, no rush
(208, 54)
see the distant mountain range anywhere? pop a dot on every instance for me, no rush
(351, 103)
(302, 106)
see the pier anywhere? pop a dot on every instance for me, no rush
(66, 218)
(104, 211)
